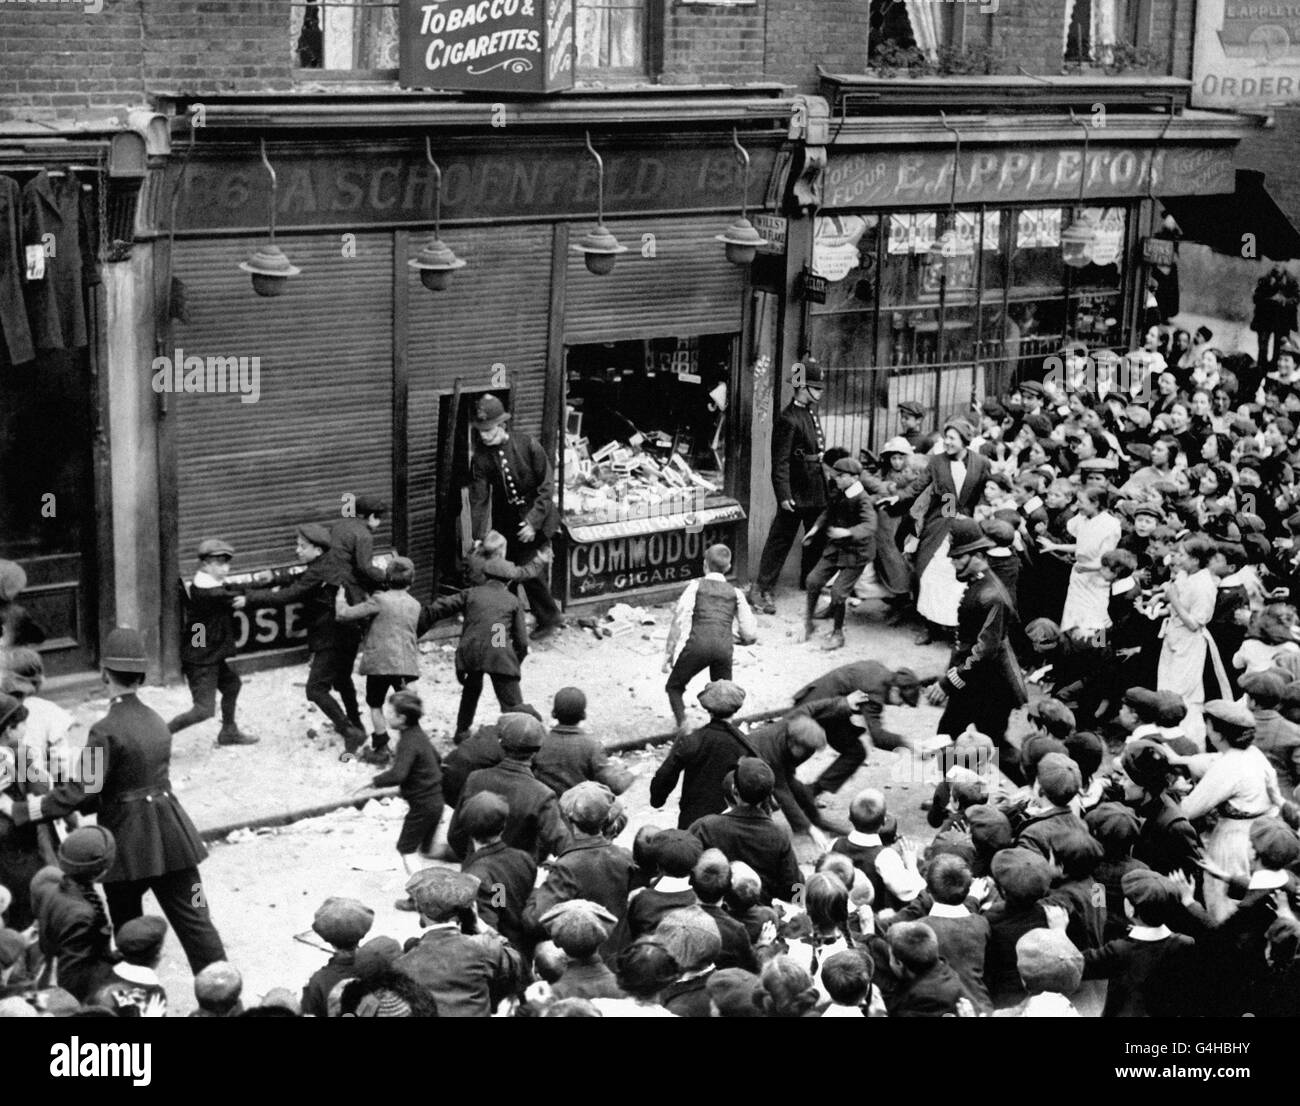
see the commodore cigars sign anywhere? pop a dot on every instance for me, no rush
(487, 45)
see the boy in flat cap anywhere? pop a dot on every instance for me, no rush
(797, 447)
(590, 867)
(703, 757)
(332, 655)
(849, 523)
(351, 553)
(140, 994)
(911, 417)
(579, 928)
(1024, 878)
(466, 965)
(702, 626)
(534, 824)
(1050, 818)
(1147, 968)
(1050, 970)
(493, 640)
(342, 923)
(506, 874)
(208, 642)
(570, 755)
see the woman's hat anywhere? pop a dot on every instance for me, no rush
(897, 445)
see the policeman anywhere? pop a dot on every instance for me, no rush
(158, 848)
(512, 491)
(983, 684)
(797, 446)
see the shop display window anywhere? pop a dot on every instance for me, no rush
(645, 432)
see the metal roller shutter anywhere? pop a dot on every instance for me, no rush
(322, 425)
(687, 288)
(495, 311)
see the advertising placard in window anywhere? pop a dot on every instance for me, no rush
(488, 45)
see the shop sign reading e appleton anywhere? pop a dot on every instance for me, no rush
(487, 45)
(1017, 175)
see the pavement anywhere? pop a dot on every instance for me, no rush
(265, 885)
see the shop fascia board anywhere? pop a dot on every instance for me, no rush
(761, 104)
(911, 131)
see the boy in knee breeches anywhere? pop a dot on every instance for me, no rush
(849, 522)
(703, 621)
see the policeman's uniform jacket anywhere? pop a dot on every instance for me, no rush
(154, 834)
(797, 447)
(983, 663)
(512, 483)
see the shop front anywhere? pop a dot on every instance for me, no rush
(951, 272)
(366, 379)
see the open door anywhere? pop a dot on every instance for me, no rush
(453, 533)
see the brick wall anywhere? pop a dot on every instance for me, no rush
(713, 43)
(59, 60)
(802, 34)
(1169, 17)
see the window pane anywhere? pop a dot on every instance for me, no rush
(342, 36)
(611, 34)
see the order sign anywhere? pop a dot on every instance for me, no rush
(487, 45)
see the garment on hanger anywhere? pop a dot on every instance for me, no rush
(15, 331)
(58, 213)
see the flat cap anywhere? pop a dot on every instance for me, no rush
(1113, 824)
(1030, 388)
(722, 697)
(578, 922)
(1144, 701)
(1276, 846)
(1148, 507)
(851, 466)
(588, 802)
(520, 731)
(142, 937)
(1049, 961)
(1148, 890)
(690, 935)
(1058, 778)
(963, 428)
(343, 922)
(439, 892)
(1099, 464)
(990, 829)
(911, 407)
(370, 505)
(1023, 875)
(998, 532)
(215, 547)
(315, 533)
(1231, 712)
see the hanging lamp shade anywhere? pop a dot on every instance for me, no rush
(436, 262)
(270, 269)
(742, 241)
(600, 249)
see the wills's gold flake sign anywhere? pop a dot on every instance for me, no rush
(487, 45)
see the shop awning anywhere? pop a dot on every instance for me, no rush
(1222, 222)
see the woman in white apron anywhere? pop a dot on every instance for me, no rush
(1191, 596)
(1238, 785)
(1096, 532)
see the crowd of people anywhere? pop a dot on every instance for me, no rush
(1114, 812)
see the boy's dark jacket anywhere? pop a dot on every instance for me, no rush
(858, 516)
(208, 632)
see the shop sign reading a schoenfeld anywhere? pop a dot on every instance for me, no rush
(487, 45)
